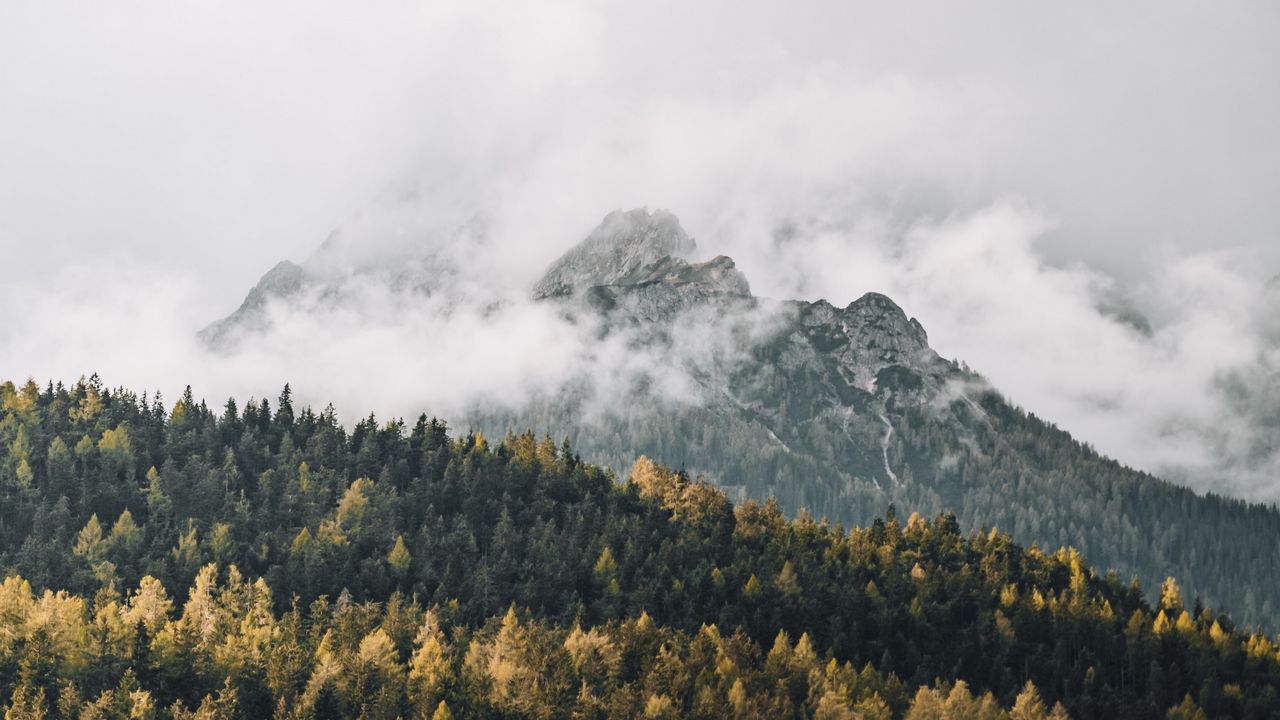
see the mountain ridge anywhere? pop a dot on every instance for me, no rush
(623, 243)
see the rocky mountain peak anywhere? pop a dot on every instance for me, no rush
(881, 315)
(283, 280)
(624, 243)
(863, 339)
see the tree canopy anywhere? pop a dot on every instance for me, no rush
(181, 562)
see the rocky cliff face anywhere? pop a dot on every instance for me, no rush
(669, 287)
(624, 244)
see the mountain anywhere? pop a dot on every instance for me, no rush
(366, 256)
(263, 561)
(624, 244)
(845, 411)
(284, 280)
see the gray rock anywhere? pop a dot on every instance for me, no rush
(284, 280)
(623, 244)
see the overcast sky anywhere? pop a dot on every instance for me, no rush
(1014, 174)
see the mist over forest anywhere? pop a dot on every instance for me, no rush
(1092, 234)
(370, 361)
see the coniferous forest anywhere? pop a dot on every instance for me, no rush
(174, 560)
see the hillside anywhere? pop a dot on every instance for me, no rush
(837, 410)
(267, 562)
(842, 411)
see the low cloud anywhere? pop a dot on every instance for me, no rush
(1182, 384)
(1076, 201)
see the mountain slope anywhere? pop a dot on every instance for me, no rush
(266, 562)
(843, 411)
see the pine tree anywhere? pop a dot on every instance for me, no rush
(399, 558)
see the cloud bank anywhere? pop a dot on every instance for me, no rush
(1077, 201)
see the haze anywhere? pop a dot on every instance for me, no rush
(1077, 200)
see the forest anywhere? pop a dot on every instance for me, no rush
(175, 561)
(769, 425)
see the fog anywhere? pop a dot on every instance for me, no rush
(1077, 201)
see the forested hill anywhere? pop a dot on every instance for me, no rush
(838, 410)
(265, 562)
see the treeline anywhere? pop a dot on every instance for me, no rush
(1037, 482)
(989, 462)
(354, 551)
(227, 655)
